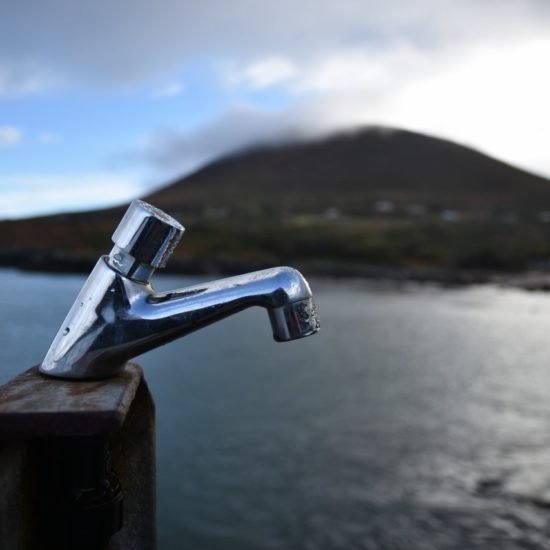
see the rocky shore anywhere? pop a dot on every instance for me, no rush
(64, 262)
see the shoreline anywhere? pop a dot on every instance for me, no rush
(61, 262)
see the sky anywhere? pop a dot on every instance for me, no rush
(103, 101)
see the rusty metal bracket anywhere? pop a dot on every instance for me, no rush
(77, 463)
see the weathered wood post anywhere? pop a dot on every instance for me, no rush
(77, 463)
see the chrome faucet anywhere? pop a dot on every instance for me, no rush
(118, 315)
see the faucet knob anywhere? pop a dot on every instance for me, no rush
(145, 237)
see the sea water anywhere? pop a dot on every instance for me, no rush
(418, 418)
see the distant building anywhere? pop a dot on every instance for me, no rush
(384, 207)
(332, 213)
(449, 215)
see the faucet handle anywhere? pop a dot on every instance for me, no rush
(146, 236)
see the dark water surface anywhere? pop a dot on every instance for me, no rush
(418, 418)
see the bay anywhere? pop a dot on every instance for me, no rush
(418, 418)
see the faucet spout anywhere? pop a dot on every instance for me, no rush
(283, 291)
(118, 315)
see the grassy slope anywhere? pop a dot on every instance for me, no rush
(269, 205)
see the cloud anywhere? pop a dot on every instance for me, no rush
(106, 43)
(10, 135)
(470, 70)
(469, 95)
(168, 91)
(35, 194)
(263, 74)
(48, 138)
(172, 153)
(493, 99)
(19, 76)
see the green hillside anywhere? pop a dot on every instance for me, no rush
(375, 196)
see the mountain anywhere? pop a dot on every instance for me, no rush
(376, 196)
(350, 170)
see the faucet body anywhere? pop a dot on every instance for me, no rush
(118, 315)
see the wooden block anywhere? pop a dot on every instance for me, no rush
(34, 405)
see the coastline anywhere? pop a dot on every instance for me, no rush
(63, 262)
